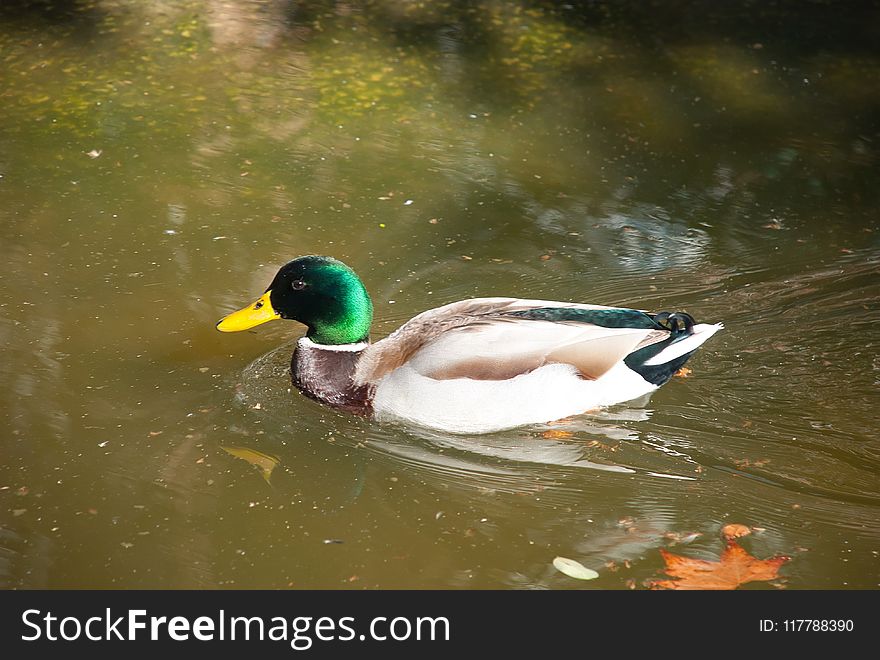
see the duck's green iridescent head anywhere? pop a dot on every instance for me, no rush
(319, 292)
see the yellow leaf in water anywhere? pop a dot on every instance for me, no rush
(265, 462)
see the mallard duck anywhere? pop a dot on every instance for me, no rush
(473, 366)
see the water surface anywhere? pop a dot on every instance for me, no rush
(160, 160)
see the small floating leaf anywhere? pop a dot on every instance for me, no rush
(734, 531)
(555, 433)
(574, 569)
(264, 462)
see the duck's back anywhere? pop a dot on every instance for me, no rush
(488, 364)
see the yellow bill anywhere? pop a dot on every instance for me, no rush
(252, 315)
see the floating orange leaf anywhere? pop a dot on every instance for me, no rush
(553, 433)
(684, 372)
(734, 531)
(733, 568)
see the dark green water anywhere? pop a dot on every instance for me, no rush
(160, 160)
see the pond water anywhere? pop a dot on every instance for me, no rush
(159, 161)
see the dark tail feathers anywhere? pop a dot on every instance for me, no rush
(676, 322)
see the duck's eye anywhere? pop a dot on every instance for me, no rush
(298, 285)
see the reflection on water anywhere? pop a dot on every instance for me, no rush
(445, 150)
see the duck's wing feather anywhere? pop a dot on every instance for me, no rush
(500, 338)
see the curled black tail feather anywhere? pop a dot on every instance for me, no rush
(676, 322)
